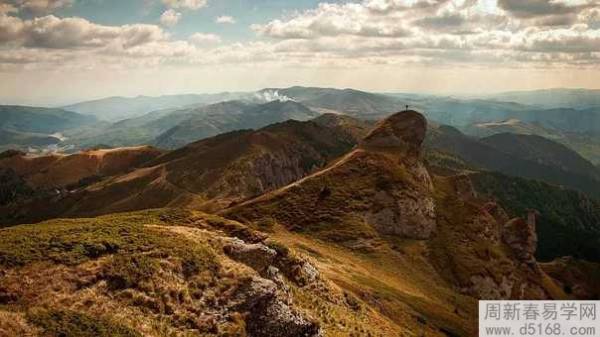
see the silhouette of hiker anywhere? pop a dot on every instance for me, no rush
(407, 108)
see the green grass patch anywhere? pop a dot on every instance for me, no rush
(73, 324)
(74, 241)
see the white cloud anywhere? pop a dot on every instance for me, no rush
(35, 6)
(170, 18)
(186, 4)
(70, 33)
(442, 33)
(225, 19)
(204, 39)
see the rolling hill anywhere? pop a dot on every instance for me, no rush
(40, 120)
(532, 165)
(22, 127)
(228, 116)
(355, 103)
(543, 151)
(209, 174)
(587, 144)
(120, 108)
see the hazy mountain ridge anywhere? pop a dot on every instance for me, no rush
(484, 156)
(22, 127)
(40, 120)
(544, 151)
(586, 144)
(223, 117)
(553, 98)
(119, 108)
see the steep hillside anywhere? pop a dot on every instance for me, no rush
(209, 174)
(587, 144)
(32, 187)
(401, 234)
(568, 221)
(483, 156)
(40, 120)
(543, 151)
(60, 171)
(223, 117)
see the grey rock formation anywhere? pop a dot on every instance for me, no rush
(404, 131)
(520, 236)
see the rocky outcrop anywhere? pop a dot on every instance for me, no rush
(520, 236)
(405, 213)
(257, 256)
(404, 131)
(406, 210)
(266, 298)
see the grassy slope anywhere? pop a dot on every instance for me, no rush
(391, 272)
(163, 273)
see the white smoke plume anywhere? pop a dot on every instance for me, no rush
(273, 95)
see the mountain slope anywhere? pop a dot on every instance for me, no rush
(209, 174)
(373, 244)
(119, 108)
(421, 240)
(543, 151)
(586, 144)
(59, 171)
(40, 120)
(568, 223)
(223, 117)
(484, 156)
(351, 102)
(170, 272)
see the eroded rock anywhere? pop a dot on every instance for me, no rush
(520, 236)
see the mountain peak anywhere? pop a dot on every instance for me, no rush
(403, 130)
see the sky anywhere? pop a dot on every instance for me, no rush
(55, 52)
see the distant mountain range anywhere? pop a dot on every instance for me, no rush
(223, 117)
(22, 127)
(553, 98)
(585, 143)
(173, 121)
(119, 108)
(525, 156)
